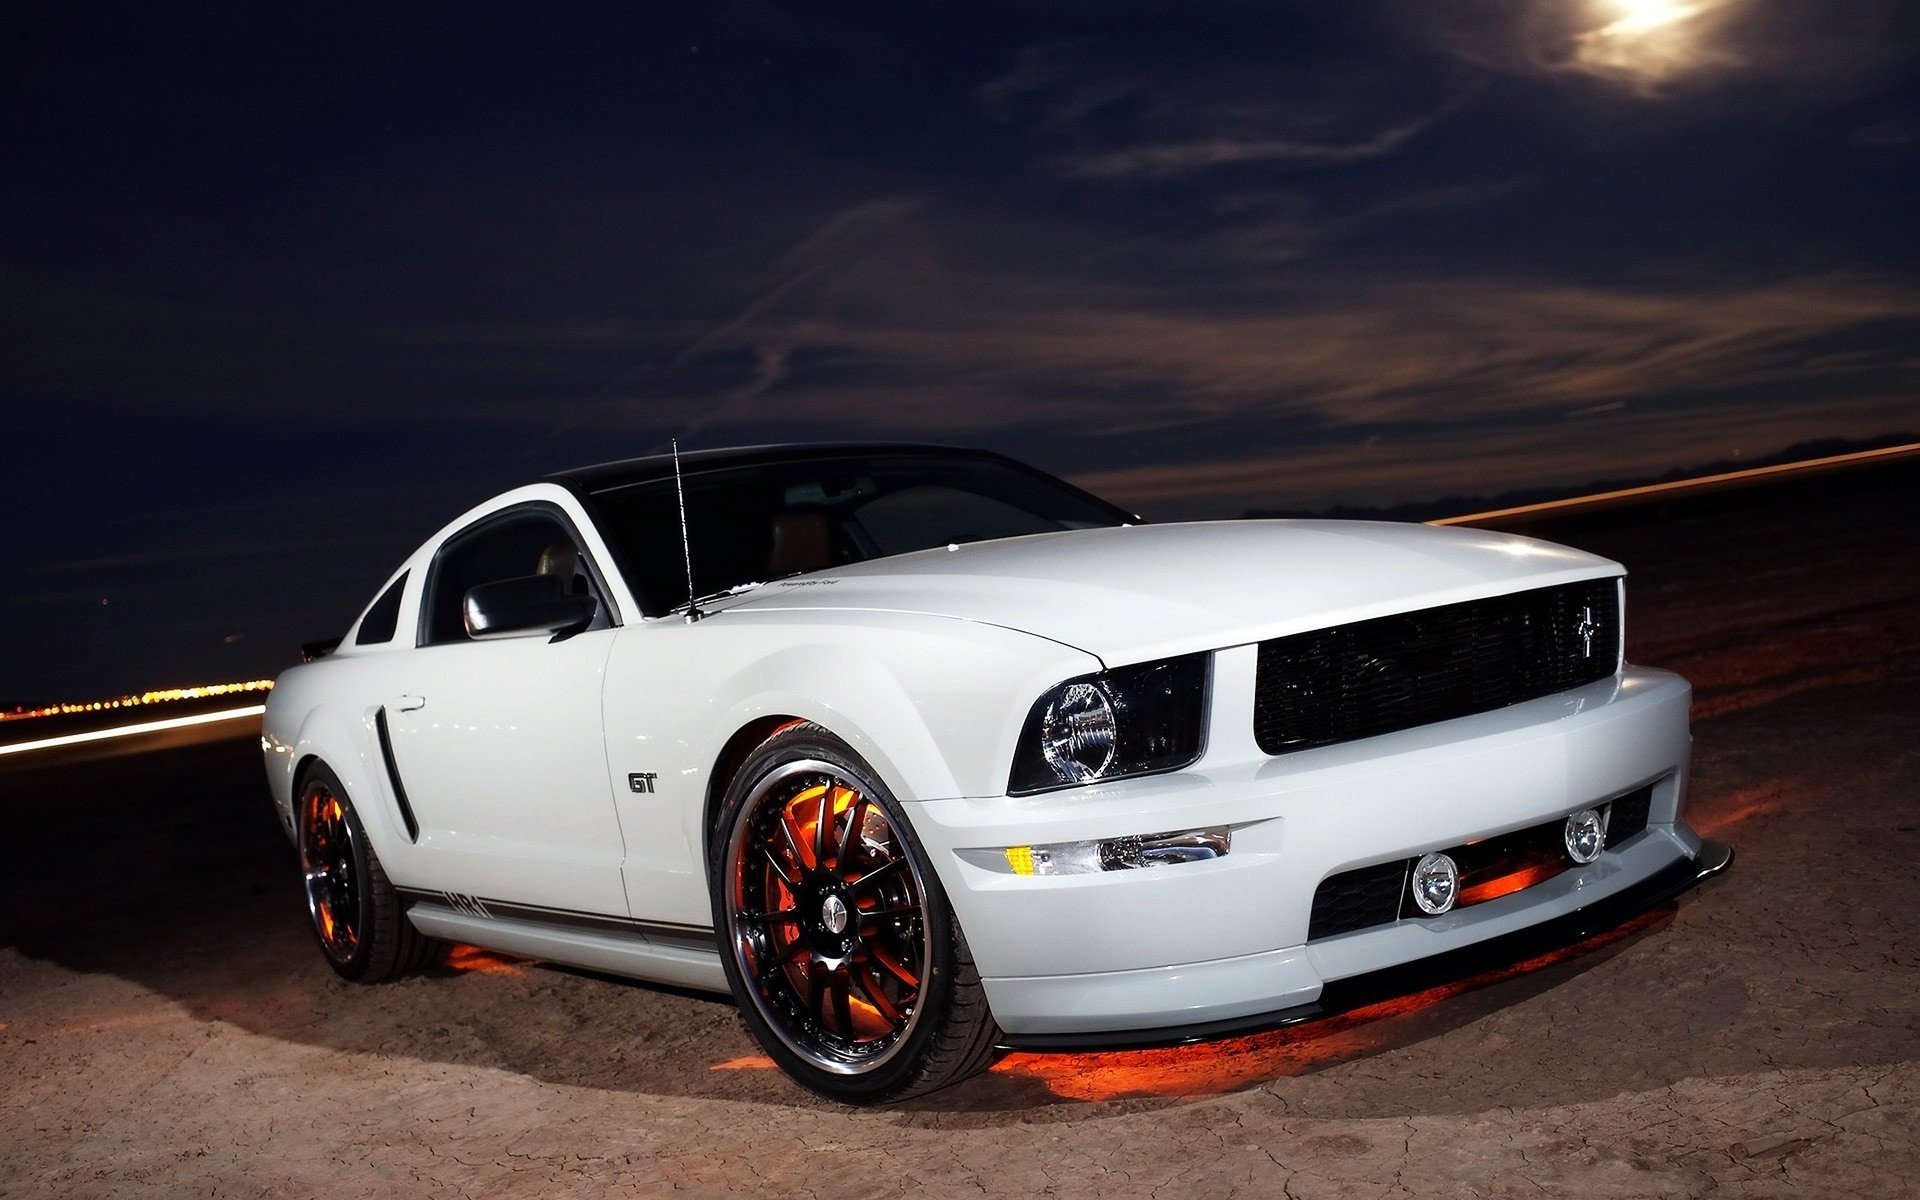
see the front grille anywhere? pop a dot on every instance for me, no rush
(1391, 673)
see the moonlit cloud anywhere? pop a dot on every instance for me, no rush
(1098, 120)
(988, 345)
(1646, 43)
(1668, 49)
(1175, 158)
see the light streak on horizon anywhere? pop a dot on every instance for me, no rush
(99, 735)
(1598, 499)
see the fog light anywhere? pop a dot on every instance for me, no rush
(1436, 884)
(1586, 835)
(1121, 854)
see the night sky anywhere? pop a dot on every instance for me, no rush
(283, 292)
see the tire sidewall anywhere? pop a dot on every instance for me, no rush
(905, 1065)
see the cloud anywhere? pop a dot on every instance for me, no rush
(824, 265)
(909, 317)
(1178, 158)
(1477, 461)
(1894, 133)
(1647, 43)
(1664, 49)
(951, 345)
(1095, 118)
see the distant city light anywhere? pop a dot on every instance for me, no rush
(159, 696)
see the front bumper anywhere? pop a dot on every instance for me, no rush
(1345, 995)
(1213, 944)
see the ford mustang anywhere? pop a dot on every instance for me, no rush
(921, 754)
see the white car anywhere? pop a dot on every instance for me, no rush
(947, 756)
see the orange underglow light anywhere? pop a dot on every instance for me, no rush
(749, 1062)
(1212, 1068)
(1508, 884)
(484, 962)
(1743, 804)
(1230, 1064)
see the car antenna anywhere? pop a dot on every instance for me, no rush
(686, 543)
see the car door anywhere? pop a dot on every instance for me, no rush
(498, 743)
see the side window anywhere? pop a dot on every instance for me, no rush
(523, 542)
(383, 616)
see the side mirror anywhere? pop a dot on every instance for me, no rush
(527, 605)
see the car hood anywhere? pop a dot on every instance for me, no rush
(1141, 592)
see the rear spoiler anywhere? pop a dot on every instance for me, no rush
(321, 649)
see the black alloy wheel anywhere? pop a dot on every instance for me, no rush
(837, 938)
(356, 915)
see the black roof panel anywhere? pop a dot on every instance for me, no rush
(607, 476)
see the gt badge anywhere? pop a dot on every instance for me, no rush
(642, 781)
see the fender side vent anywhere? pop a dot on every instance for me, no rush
(393, 776)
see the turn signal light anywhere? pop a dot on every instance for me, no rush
(1121, 854)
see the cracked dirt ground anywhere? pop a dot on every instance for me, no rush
(166, 1028)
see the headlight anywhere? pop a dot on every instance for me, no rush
(1076, 733)
(1131, 721)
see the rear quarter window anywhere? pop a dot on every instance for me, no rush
(383, 616)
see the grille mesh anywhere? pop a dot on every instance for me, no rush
(1391, 673)
(1357, 900)
(1629, 815)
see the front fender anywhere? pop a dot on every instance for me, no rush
(933, 704)
(352, 752)
(315, 713)
(857, 699)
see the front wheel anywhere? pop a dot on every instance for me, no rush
(843, 955)
(356, 915)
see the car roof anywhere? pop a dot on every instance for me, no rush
(607, 476)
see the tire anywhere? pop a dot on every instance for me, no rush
(843, 953)
(357, 918)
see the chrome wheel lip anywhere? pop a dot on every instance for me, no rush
(739, 934)
(325, 876)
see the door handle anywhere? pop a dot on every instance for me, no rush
(408, 703)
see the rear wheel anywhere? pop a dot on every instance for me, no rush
(837, 939)
(357, 917)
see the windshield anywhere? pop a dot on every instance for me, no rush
(754, 524)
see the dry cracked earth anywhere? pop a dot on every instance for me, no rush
(166, 1027)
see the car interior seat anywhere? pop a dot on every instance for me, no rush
(801, 542)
